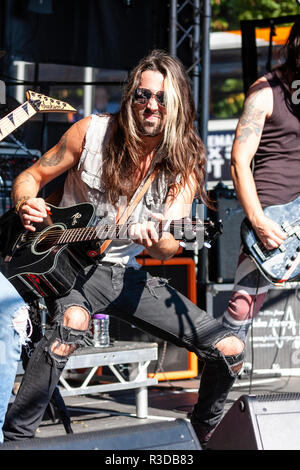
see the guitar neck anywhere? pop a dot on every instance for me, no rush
(105, 232)
(16, 118)
(75, 235)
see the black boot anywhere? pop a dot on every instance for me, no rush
(216, 382)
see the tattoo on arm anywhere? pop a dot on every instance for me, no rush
(54, 158)
(250, 121)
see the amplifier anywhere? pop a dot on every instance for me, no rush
(273, 341)
(173, 362)
(223, 255)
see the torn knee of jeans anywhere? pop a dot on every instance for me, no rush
(153, 282)
(67, 336)
(60, 317)
(235, 362)
(21, 322)
(231, 364)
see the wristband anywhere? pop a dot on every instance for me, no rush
(20, 203)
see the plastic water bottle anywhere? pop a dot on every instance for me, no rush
(101, 330)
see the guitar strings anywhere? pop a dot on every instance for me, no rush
(268, 252)
(87, 232)
(90, 230)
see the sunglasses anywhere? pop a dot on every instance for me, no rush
(143, 95)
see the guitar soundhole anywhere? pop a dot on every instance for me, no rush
(48, 239)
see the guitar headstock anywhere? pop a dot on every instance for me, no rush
(194, 234)
(212, 230)
(45, 104)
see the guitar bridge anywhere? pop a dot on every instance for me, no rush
(259, 252)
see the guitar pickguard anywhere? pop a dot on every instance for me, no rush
(283, 263)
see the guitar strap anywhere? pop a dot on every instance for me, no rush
(121, 218)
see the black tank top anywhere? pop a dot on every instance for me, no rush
(277, 160)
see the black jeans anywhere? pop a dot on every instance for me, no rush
(144, 301)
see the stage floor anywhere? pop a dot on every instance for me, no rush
(167, 401)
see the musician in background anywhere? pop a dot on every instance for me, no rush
(267, 137)
(14, 319)
(107, 157)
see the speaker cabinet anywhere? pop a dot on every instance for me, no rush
(165, 435)
(173, 363)
(223, 255)
(260, 422)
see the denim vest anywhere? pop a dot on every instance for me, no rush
(84, 183)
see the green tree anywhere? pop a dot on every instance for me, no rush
(228, 98)
(227, 14)
(227, 95)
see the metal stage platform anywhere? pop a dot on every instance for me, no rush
(137, 354)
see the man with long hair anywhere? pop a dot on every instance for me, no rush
(265, 170)
(107, 158)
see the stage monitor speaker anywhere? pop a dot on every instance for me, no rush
(223, 255)
(173, 362)
(166, 435)
(260, 422)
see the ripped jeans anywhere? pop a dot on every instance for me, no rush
(150, 304)
(13, 325)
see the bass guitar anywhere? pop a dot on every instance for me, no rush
(281, 264)
(46, 262)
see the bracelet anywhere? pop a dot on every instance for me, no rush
(20, 203)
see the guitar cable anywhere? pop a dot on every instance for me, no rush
(252, 334)
(280, 331)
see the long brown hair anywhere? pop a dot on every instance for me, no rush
(182, 150)
(290, 53)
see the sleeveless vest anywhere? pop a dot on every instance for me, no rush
(84, 183)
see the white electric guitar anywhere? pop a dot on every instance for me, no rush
(36, 103)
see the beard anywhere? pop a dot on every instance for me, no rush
(150, 128)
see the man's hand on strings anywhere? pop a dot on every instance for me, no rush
(33, 210)
(269, 233)
(146, 233)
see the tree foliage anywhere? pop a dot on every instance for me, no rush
(228, 96)
(227, 14)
